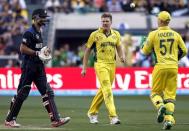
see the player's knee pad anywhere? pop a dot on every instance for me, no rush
(152, 95)
(170, 106)
(156, 99)
(13, 99)
(49, 104)
(48, 95)
(49, 91)
(23, 92)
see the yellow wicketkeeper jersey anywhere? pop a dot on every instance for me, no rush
(104, 46)
(167, 46)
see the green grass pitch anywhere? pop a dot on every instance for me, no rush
(135, 112)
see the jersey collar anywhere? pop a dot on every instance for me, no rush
(164, 28)
(101, 31)
(33, 26)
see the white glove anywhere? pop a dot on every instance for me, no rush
(45, 54)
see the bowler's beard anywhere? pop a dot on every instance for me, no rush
(43, 22)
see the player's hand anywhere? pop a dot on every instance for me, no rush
(83, 72)
(122, 59)
(45, 54)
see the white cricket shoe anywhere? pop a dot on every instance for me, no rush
(114, 120)
(12, 124)
(61, 122)
(167, 125)
(93, 118)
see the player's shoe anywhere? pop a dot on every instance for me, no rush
(61, 122)
(12, 124)
(161, 114)
(114, 121)
(167, 125)
(93, 119)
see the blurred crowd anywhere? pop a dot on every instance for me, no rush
(64, 56)
(135, 59)
(175, 7)
(13, 21)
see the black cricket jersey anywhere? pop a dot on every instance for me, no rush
(32, 39)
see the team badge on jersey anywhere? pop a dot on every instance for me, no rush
(24, 40)
(37, 36)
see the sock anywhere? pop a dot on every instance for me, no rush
(51, 108)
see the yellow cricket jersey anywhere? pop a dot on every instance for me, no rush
(167, 46)
(104, 46)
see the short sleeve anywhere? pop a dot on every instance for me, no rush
(147, 46)
(181, 46)
(118, 43)
(27, 38)
(118, 39)
(91, 40)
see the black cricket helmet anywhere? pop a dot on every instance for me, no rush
(41, 14)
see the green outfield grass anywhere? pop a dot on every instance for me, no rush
(136, 114)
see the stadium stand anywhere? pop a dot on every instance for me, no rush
(71, 17)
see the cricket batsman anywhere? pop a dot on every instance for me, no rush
(34, 55)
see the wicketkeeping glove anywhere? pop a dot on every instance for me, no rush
(45, 54)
